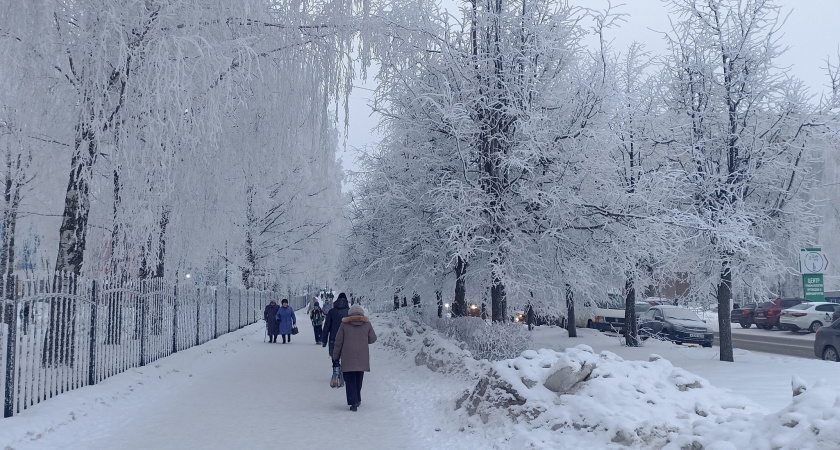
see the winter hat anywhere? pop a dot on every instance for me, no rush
(317, 304)
(341, 295)
(356, 310)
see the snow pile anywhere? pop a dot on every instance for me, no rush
(409, 336)
(576, 397)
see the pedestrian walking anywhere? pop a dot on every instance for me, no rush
(317, 319)
(311, 305)
(286, 320)
(530, 317)
(331, 325)
(272, 329)
(353, 353)
(326, 304)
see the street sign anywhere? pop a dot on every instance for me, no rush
(812, 265)
(812, 260)
(813, 287)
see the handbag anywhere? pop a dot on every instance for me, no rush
(294, 329)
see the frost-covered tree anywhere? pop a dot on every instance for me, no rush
(744, 137)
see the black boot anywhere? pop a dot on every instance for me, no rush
(284, 338)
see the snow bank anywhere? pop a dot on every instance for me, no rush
(558, 399)
(576, 397)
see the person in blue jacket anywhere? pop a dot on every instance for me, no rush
(286, 320)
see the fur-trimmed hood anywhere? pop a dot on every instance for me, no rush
(355, 320)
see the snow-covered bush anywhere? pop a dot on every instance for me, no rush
(490, 341)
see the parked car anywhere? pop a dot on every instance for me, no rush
(653, 301)
(676, 324)
(810, 316)
(744, 315)
(767, 313)
(827, 342)
(836, 314)
(610, 313)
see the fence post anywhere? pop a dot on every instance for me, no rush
(175, 316)
(94, 306)
(143, 302)
(239, 309)
(228, 305)
(10, 308)
(216, 312)
(197, 317)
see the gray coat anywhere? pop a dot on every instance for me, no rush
(351, 344)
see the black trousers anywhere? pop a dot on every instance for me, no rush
(318, 329)
(353, 386)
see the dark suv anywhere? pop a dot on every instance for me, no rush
(744, 315)
(767, 314)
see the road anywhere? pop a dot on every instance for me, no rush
(777, 342)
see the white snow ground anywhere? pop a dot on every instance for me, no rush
(240, 392)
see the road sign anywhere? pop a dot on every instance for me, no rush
(812, 265)
(812, 260)
(813, 287)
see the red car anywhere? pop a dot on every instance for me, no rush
(767, 314)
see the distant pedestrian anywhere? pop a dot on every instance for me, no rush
(326, 304)
(286, 319)
(311, 305)
(272, 329)
(530, 317)
(317, 318)
(333, 322)
(352, 352)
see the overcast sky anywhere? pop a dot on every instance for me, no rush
(810, 31)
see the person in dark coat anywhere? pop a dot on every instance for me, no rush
(530, 317)
(352, 351)
(333, 322)
(271, 326)
(286, 319)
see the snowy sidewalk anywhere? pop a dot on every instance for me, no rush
(248, 394)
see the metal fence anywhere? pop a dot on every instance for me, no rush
(62, 333)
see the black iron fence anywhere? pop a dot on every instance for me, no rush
(58, 334)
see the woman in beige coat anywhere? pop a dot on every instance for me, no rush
(351, 349)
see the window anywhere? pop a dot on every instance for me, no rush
(825, 308)
(681, 314)
(789, 303)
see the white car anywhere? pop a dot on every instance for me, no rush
(806, 316)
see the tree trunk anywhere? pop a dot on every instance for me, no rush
(117, 270)
(60, 335)
(631, 329)
(164, 221)
(439, 296)
(570, 307)
(724, 296)
(459, 305)
(73, 231)
(498, 299)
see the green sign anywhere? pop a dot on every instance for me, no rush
(813, 287)
(812, 265)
